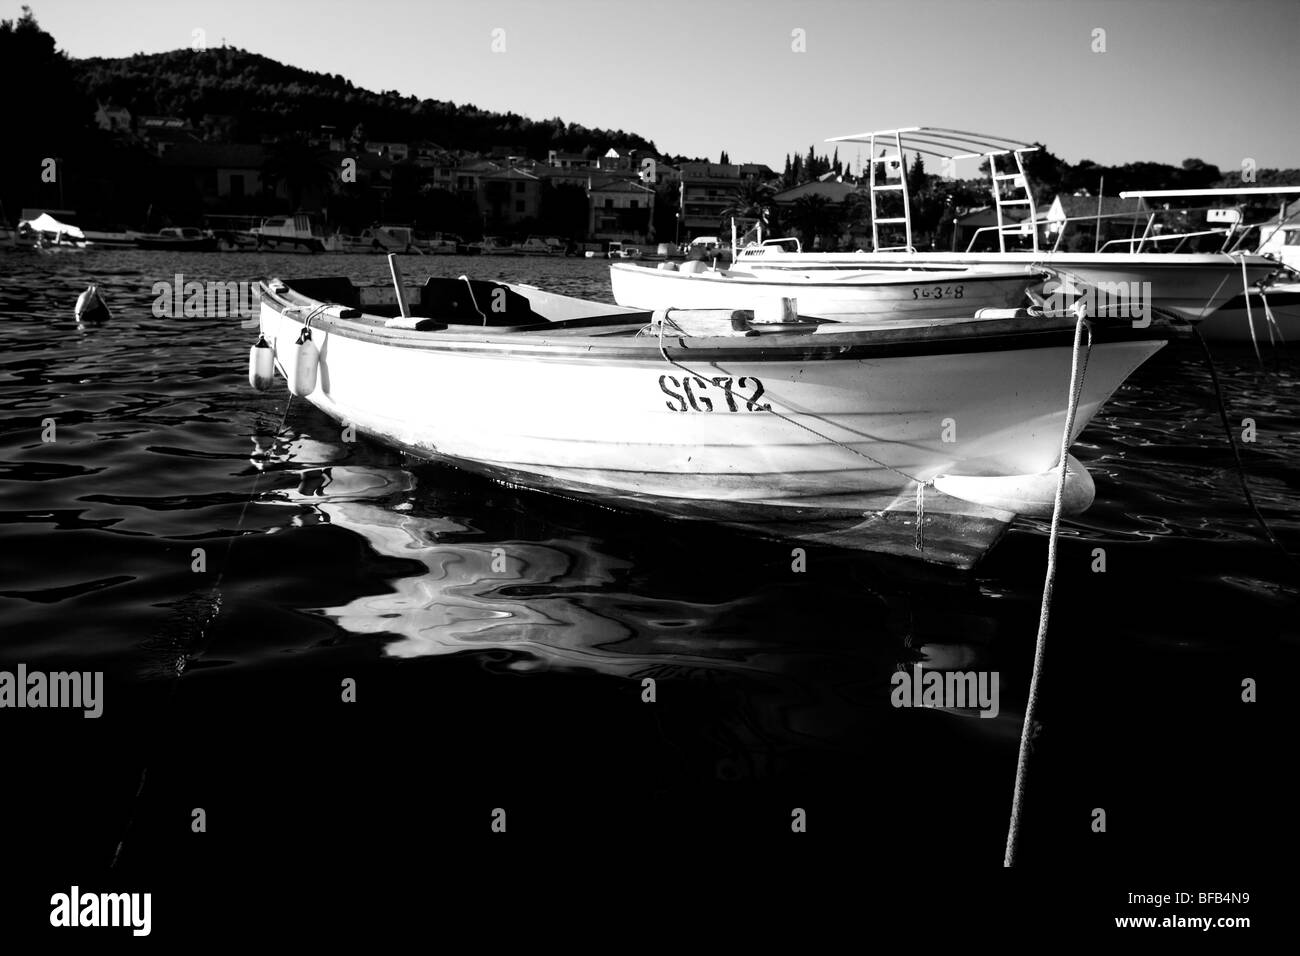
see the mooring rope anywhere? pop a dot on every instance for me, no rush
(215, 592)
(1236, 452)
(1250, 315)
(1271, 319)
(1077, 371)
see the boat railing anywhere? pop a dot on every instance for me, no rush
(1019, 228)
(1133, 243)
(1180, 237)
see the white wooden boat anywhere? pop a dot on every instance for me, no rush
(858, 295)
(802, 431)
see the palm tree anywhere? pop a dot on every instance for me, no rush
(813, 216)
(750, 202)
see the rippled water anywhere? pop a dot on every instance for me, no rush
(522, 688)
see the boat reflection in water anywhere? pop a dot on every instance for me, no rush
(803, 659)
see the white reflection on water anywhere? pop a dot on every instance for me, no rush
(565, 603)
(555, 602)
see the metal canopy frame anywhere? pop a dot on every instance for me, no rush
(949, 144)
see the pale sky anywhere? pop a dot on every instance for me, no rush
(1217, 79)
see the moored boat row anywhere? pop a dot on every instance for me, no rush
(1132, 284)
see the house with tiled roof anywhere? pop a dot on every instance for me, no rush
(1090, 221)
(620, 208)
(218, 171)
(113, 117)
(507, 197)
(564, 160)
(831, 191)
(470, 171)
(709, 189)
(163, 133)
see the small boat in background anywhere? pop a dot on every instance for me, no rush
(436, 244)
(808, 430)
(178, 239)
(44, 232)
(60, 243)
(619, 250)
(110, 237)
(863, 295)
(496, 246)
(537, 246)
(398, 238)
(301, 232)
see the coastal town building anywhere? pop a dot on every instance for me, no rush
(709, 189)
(621, 209)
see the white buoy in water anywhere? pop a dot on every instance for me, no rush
(261, 365)
(91, 308)
(302, 381)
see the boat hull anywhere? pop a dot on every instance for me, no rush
(1190, 286)
(1232, 322)
(892, 295)
(839, 462)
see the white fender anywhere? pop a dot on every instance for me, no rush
(261, 365)
(302, 373)
(1032, 495)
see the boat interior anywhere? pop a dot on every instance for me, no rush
(442, 302)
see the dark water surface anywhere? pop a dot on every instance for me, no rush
(521, 689)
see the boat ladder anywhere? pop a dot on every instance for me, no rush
(893, 178)
(1011, 188)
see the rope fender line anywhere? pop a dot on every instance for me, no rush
(1078, 369)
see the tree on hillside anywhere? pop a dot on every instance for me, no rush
(45, 117)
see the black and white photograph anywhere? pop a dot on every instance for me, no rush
(599, 471)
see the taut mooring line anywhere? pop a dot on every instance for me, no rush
(1077, 372)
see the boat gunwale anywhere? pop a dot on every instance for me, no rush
(936, 338)
(887, 279)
